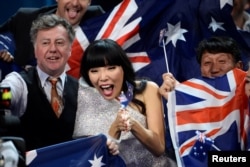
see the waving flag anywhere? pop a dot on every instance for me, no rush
(136, 27)
(84, 152)
(211, 113)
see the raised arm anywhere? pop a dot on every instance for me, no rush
(167, 85)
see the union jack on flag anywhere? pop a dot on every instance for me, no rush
(128, 24)
(208, 115)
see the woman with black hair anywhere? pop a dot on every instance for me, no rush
(137, 122)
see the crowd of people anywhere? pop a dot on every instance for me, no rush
(92, 104)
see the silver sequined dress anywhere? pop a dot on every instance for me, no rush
(95, 115)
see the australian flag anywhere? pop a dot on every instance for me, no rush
(83, 152)
(208, 115)
(136, 26)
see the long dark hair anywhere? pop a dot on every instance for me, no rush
(105, 52)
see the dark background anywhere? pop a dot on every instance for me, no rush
(9, 7)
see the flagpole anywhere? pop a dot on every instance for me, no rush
(165, 54)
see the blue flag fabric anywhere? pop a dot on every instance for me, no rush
(208, 115)
(6, 43)
(83, 152)
(179, 22)
(182, 25)
(136, 27)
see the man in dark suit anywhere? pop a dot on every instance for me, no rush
(75, 12)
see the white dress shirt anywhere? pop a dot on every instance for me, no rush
(19, 90)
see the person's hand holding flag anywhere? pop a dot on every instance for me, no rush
(125, 99)
(123, 113)
(167, 85)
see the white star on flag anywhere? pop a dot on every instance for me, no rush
(97, 162)
(174, 33)
(215, 25)
(224, 2)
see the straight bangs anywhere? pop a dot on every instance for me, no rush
(102, 57)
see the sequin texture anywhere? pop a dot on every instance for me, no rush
(95, 115)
